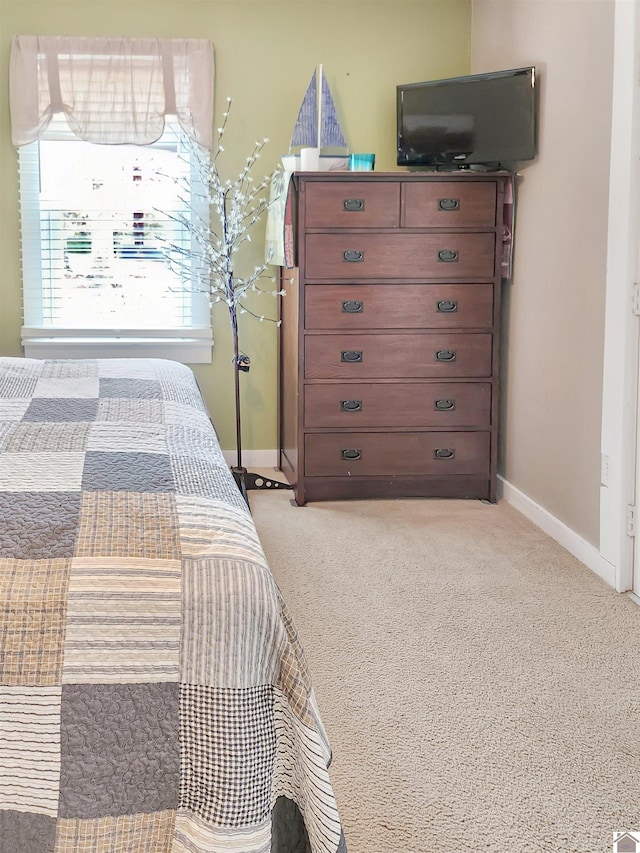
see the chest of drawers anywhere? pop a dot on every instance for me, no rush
(389, 342)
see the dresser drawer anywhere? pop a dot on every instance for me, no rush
(452, 204)
(398, 306)
(353, 204)
(352, 454)
(350, 255)
(387, 356)
(398, 404)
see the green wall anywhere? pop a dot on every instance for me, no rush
(265, 55)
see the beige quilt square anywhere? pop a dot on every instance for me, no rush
(127, 437)
(128, 524)
(29, 437)
(122, 409)
(33, 600)
(136, 833)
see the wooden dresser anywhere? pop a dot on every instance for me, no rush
(389, 343)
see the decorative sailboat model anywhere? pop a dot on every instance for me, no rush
(316, 129)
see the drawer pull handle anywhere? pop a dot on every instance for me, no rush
(445, 355)
(351, 454)
(353, 256)
(351, 356)
(444, 405)
(444, 453)
(447, 306)
(353, 205)
(351, 405)
(449, 204)
(448, 256)
(352, 306)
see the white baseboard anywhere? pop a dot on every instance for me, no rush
(556, 529)
(253, 458)
(542, 518)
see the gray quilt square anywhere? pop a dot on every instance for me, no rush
(120, 749)
(57, 409)
(31, 833)
(139, 389)
(132, 472)
(38, 525)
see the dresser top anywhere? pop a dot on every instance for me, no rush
(405, 176)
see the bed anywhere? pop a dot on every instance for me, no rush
(154, 696)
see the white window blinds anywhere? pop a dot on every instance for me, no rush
(95, 220)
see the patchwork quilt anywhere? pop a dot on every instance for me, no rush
(154, 697)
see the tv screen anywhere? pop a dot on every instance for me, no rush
(487, 120)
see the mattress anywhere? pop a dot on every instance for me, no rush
(154, 694)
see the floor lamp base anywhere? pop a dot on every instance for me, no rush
(248, 481)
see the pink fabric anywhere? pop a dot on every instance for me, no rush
(111, 90)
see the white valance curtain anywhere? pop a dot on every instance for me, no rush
(111, 90)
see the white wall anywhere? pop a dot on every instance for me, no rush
(620, 392)
(554, 310)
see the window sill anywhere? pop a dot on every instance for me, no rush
(194, 348)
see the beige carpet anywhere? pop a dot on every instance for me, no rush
(480, 687)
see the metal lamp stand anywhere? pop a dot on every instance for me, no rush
(245, 480)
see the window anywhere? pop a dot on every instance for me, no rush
(95, 223)
(105, 129)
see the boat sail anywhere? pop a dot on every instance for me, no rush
(317, 128)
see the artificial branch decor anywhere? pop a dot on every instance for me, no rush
(235, 208)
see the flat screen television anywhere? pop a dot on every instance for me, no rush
(483, 120)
